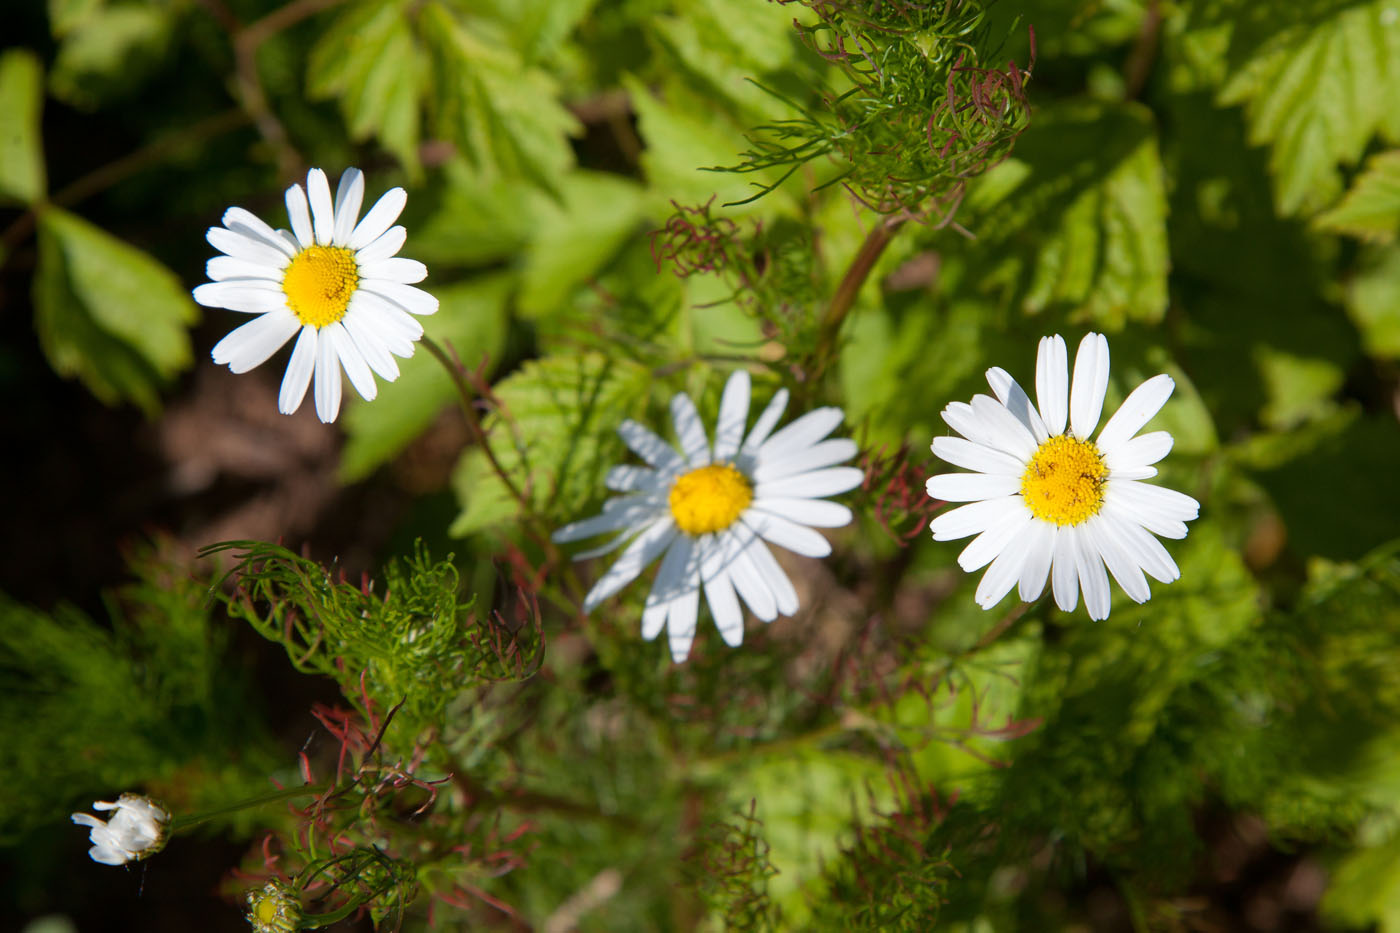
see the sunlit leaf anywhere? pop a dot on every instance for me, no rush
(108, 313)
(1371, 208)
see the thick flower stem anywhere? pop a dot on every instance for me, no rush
(846, 292)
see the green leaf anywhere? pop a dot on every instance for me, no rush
(555, 438)
(1316, 89)
(1365, 889)
(108, 313)
(538, 27)
(472, 316)
(684, 136)
(21, 145)
(1371, 208)
(1077, 220)
(67, 15)
(371, 61)
(1373, 301)
(110, 52)
(575, 237)
(505, 115)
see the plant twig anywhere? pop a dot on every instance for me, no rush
(846, 292)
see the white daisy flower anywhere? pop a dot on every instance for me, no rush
(1046, 502)
(334, 282)
(709, 510)
(135, 831)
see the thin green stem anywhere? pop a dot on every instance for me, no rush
(287, 793)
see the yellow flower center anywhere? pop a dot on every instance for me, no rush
(266, 910)
(710, 499)
(318, 284)
(1064, 482)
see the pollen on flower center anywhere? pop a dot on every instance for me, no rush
(1064, 482)
(318, 284)
(710, 499)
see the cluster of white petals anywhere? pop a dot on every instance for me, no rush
(135, 831)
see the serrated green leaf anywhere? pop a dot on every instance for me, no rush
(1373, 301)
(537, 27)
(110, 52)
(1316, 90)
(471, 316)
(574, 238)
(557, 439)
(21, 145)
(474, 219)
(505, 115)
(682, 141)
(108, 313)
(1371, 208)
(1077, 220)
(372, 62)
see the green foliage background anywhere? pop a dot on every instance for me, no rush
(1212, 183)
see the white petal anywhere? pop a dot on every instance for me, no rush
(969, 487)
(632, 479)
(326, 380)
(246, 273)
(1093, 578)
(251, 344)
(690, 431)
(986, 546)
(298, 375)
(410, 299)
(352, 360)
(819, 513)
(677, 574)
(1040, 547)
(1005, 431)
(250, 225)
(1119, 558)
(1137, 409)
(1140, 451)
(801, 434)
(633, 561)
(630, 514)
(651, 448)
(960, 417)
(1154, 507)
(1052, 383)
(349, 195)
(360, 325)
(796, 538)
(1090, 383)
(828, 482)
(318, 190)
(1009, 392)
(240, 296)
(773, 574)
(973, 456)
(248, 249)
(300, 216)
(766, 422)
(753, 590)
(1064, 575)
(396, 327)
(824, 454)
(1146, 550)
(379, 219)
(680, 627)
(1004, 572)
(724, 606)
(395, 269)
(388, 244)
(733, 416)
(974, 518)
